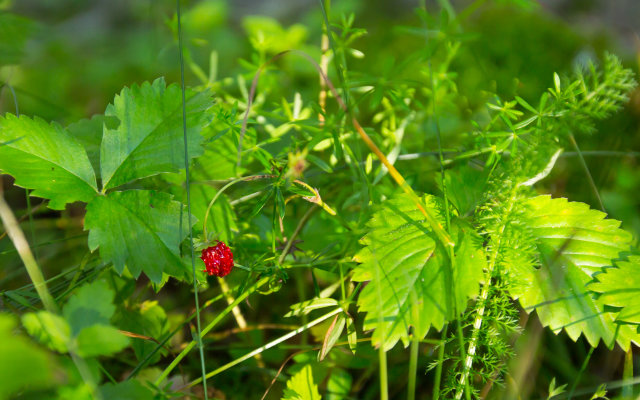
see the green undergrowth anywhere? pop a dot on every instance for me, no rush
(409, 216)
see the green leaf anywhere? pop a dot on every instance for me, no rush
(49, 329)
(352, 335)
(339, 384)
(100, 340)
(88, 132)
(16, 30)
(138, 228)
(620, 287)
(91, 304)
(127, 390)
(148, 319)
(149, 139)
(409, 272)
(301, 386)
(574, 242)
(465, 188)
(307, 306)
(44, 157)
(262, 201)
(332, 335)
(22, 364)
(318, 162)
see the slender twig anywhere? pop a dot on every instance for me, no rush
(295, 234)
(587, 172)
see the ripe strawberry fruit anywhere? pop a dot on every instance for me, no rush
(218, 259)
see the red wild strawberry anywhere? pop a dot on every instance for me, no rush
(218, 259)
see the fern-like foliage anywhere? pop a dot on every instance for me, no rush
(596, 93)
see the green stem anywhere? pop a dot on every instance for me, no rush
(438, 377)
(413, 367)
(384, 385)
(587, 172)
(188, 184)
(627, 374)
(206, 330)
(582, 368)
(482, 303)
(22, 246)
(35, 274)
(267, 346)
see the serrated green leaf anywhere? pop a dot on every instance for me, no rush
(49, 329)
(409, 272)
(22, 364)
(44, 157)
(100, 340)
(149, 139)
(620, 287)
(138, 228)
(88, 132)
(301, 386)
(574, 242)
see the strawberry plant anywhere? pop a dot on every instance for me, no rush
(404, 226)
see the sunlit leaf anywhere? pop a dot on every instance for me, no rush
(575, 242)
(149, 139)
(46, 158)
(410, 272)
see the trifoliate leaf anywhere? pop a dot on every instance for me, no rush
(149, 139)
(22, 364)
(301, 386)
(44, 157)
(620, 287)
(574, 242)
(410, 273)
(138, 228)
